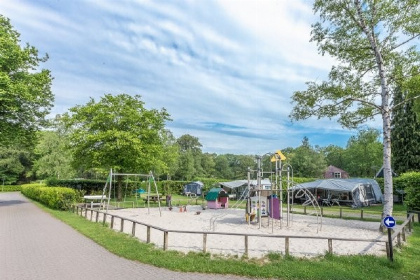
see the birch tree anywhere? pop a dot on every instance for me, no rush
(374, 44)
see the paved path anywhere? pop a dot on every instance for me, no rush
(34, 245)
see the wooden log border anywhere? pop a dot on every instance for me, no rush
(400, 234)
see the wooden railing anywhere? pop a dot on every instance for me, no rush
(401, 232)
(84, 212)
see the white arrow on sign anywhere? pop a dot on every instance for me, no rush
(389, 222)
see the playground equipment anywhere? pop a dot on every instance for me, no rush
(263, 202)
(217, 198)
(110, 186)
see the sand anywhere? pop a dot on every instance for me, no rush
(233, 221)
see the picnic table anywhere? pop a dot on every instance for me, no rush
(153, 198)
(90, 200)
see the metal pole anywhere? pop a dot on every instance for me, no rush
(288, 197)
(259, 191)
(391, 253)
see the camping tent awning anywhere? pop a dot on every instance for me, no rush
(240, 183)
(341, 185)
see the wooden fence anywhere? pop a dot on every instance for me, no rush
(83, 211)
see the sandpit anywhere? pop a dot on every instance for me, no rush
(233, 221)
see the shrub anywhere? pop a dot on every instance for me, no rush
(53, 197)
(89, 186)
(410, 183)
(14, 188)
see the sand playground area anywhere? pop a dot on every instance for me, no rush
(233, 221)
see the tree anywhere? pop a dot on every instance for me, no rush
(334, 156)
(191, 155)
(25, 94)
(14, 162)
(370, 40)
(405, 135)
(363, 154)
(117, 132)
(53, 157)
(306, 161)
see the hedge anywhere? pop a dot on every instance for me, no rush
(59, 198)
(9, 188)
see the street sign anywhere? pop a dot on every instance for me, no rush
(389, 222)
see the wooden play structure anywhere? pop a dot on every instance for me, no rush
(217, 198)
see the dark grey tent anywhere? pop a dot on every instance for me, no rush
(363, 191)
(193, 188)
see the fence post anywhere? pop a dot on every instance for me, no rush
(91, 214)
(403, 234)
(322, 211)
(165, 240)
(361, 214)
(388, 253)
(204, 242)
(104, 219)
(409, 225)
(341, 212)
(86, 210)
(330, 248)
(399, 239)
(112, 222)
(286, 244)
(133, 229)
(148, 234)
(304, 210)
(97, 216)
(122, 225)
(246, 245)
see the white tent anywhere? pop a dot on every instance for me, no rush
(363, 191)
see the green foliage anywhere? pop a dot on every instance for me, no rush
(410, 182)
(363, 154)
(14, 163)
(13, 188)
(405, 135)
(53, 197)
(306, 161)
(25, 94)
(53, 157)
(86, 185)
(117, 132)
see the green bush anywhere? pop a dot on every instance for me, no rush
(59, 198)
(410, 183)
(9, 188)
(86, 185)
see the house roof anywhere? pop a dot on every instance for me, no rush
(332, 168)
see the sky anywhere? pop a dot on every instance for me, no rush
(224, 70)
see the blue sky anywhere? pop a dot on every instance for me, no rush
(224, 70)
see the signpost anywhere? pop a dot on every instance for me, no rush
(389, 222)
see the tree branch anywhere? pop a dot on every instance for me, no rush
(404, 102)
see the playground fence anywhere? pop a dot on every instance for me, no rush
(102, 216)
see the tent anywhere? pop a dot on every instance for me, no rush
(238, 187)
(358, 191)
(193, 188)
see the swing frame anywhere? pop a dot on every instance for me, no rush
(108, 188)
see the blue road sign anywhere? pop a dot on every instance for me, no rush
(389, 222)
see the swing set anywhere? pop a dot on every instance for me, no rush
(110, 187)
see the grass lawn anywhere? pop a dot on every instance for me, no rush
(405, 266)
